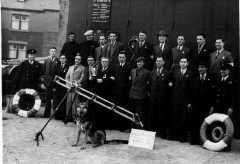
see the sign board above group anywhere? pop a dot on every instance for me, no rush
(101, 12)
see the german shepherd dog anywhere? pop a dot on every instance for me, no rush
(85, 126)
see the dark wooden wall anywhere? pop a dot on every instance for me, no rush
(213, 17)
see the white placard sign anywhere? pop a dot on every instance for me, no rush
(142, 138)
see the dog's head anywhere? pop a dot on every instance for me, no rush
(82, 110)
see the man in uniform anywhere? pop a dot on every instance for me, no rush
(163, 49)
(87, 48)
(219, 57)
(160, 99)
(140, 90)
(70, 48)
(29, 72)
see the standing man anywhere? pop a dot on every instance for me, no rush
(145, 50)
(182, 100)
(179, 51)
(219, 57)
(101, 50)
(160, 99)
(140, 90)
(203, 98)
(74, 75)
(50, 69)
(29, 72)
(132, 51)
(121, 88)
(70, 48)
(113, 48)
(87, 48)
(163, 49)
(61, 91)
(201, 52)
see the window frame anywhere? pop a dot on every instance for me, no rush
(20, 20)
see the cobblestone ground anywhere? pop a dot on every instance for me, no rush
(19, 147)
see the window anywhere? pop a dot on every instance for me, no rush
(17, 51)
(20, 22)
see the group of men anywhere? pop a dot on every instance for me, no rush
(171, 88)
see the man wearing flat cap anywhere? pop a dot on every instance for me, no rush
(87, 47)
(163, 49)
(139, 92)
(29, 72)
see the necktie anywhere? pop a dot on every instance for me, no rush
(75, 68)
(158, 71)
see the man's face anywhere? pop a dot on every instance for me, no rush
(90, 61)
(102, 40)
(89, 37)
(162, 38)
(160, 62)
(202, 69)
(219, 44)
(224, 73)
(200, 39)
(71, 37)
(183, 63)
(31, 57)
(104, 62)
(122, 58)
(180, 40)
(77, 60)
(142, 36)
(140, 64)
(63, 59)
(52, 52)
(112, 37)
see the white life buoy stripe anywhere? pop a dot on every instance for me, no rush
(217, 146)
(33, 110)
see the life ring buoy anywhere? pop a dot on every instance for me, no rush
(26, 112)
(220, 136)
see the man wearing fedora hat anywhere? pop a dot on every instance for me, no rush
(163, 49)
(29, 72)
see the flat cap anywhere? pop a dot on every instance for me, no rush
(88, 32)
(31, 51)
(162, 33)
(226, 66)
(140, 59)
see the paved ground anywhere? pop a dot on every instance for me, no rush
(19, 147)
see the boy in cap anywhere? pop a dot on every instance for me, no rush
(29, 72)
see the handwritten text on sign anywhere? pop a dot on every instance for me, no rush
(142, 138)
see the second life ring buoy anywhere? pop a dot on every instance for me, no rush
(216, 132)
(26, 102)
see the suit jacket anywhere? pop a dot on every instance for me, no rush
(216, 61)
(224, 97)
(113, 55)
(87, 48)
(166, 54)
(89, 80)
(75, 75)
(122, 76)
(70, 49)
(50, 69)
(100, 52)
(140, 83)
(200, 56)
(178, 54)
(182, 88)
(145, 51)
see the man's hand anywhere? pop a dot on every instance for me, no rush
(112, 78)
(189, 106)
(229, 112)
(99, 80)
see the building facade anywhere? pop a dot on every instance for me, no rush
(29, 24)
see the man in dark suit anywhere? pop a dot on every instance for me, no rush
(121, 89)
(29, 72)
(145, 50)
(101, 50)
(200, 53)
(105, 82)
(87, 47)
(139, 91)
(50, 69)
(61, 91)
(113, 48)
(182, 100)
(71, 48)
(203, 98)
(163, 49)
(219, 57)
(179, 51)
(160, 99)
(132, 51)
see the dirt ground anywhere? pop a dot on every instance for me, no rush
(19, 147)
